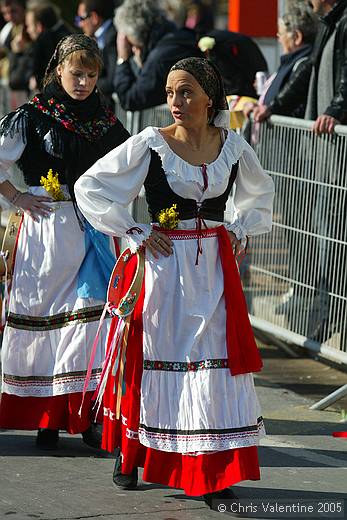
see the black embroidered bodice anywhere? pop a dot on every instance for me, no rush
(35, 160)
(159, 195)
(52, 145)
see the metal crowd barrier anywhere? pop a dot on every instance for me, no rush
(296, 286)
(298, 280)
(5, 105)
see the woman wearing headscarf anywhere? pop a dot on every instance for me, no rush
(189, 414)
(59, 282)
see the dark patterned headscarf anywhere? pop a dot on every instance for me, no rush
(68, 45)
(208, 77)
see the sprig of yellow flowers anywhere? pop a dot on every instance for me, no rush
(52, 185)
(168, 218)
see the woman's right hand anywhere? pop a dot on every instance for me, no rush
(248, 108)
(260, 113)
(159, 243)
(235, 243)
(34, 205)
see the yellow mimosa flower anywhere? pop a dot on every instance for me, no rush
(52, 185)
(168, 218)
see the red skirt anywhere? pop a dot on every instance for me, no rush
(195, 474)
(57, 413)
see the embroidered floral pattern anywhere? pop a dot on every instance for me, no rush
(90, 130)
(181, 366)
(48, 380)
(19, 321)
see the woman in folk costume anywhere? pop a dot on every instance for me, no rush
(59, 281)
(189, 413)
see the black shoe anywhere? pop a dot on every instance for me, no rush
(93, 436)
(121, 480)
(47, 439)
(213, 500)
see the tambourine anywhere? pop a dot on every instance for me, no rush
(9, 244)
(122, 299)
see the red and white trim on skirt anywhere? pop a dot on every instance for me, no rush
(57, 413)
(195, 474)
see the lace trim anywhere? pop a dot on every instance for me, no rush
(57, 321)
(237, 228)
(45, 386)
(201, 440)
(218, 170)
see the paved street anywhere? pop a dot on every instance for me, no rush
(300, 460)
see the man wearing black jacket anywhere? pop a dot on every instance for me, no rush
(327, 105)
(45, 28)
(147, 45)
(95, 20)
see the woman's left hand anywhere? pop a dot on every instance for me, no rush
(235, 243)
(159, 244)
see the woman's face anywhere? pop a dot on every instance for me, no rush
(187, 100)
(77, 81)
(13, 12)
(286, 38)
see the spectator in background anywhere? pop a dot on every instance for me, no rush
(199, 16)
(174, 10)
(327, 105)
(237, 57)
(6, 28)
(16, 44)
(296, 33)
(156, 44)
(94, 17)
(13, 12)
(323, 82)
(45, 28)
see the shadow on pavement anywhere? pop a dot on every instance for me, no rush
(301, 458)
(290, 427)
(143, 486)
(23, 445)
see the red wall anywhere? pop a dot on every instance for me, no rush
(253, 17)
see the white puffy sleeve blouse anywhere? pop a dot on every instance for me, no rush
(105, 191)
(11, 149)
